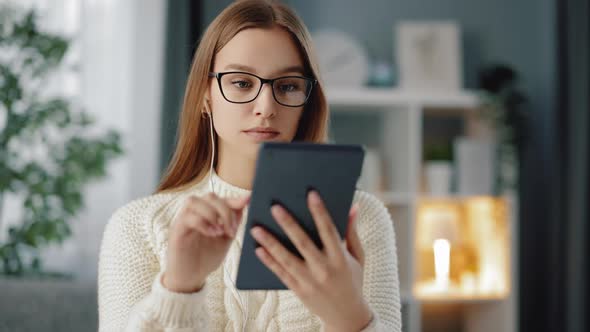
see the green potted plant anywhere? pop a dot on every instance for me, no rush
(47, 155)
(504, 108)
(438, 157)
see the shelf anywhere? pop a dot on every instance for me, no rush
(387, 97)
(395, 198)
(392, 122)
(410, 297)
(459, 299)
(404, 198)
(451, 197)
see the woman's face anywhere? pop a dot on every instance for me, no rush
(267, 53)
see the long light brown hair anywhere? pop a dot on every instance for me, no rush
(193, 152)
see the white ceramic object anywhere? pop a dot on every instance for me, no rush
(342, 59)
(438, 177)
(370, 179)
(474, 166)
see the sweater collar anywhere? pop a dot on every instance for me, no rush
(223, 188)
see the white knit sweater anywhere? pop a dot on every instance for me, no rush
(132, 258)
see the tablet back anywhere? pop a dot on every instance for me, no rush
(285, 172)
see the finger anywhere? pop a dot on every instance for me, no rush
(238, 203)
(352, 214)
(293, 265)
(353, 241)
(192, 220)
(297, 235)
(205, 211)
(239, 213)
(201, 207)
(224, 218)
(199, 224)
(228, 216)
(276, 268)
(323, 221)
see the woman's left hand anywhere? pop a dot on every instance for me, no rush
(329, 281)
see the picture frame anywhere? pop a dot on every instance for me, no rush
(429, 55)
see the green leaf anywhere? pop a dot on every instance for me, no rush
(10, 88)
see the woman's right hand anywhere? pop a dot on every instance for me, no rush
(199, 239)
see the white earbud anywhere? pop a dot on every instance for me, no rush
(210, 116)
(245, 308)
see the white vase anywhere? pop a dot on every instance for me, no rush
(474, 166)
(438, 177)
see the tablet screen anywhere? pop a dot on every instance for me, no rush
(285, 173)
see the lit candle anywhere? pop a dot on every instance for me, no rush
(442, 257)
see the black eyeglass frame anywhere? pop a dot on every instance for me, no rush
(219, 75)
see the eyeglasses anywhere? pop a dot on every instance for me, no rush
(241, 88)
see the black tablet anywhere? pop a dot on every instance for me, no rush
(285, 172)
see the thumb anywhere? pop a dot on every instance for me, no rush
(238, 203)
(353, 243)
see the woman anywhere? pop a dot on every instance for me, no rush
(167, 260)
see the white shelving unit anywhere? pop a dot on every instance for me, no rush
(387, 97)
(395, 118)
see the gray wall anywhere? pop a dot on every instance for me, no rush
(520, 33)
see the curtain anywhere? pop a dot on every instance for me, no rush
(554, 232)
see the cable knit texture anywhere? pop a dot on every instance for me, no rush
(132, 257)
